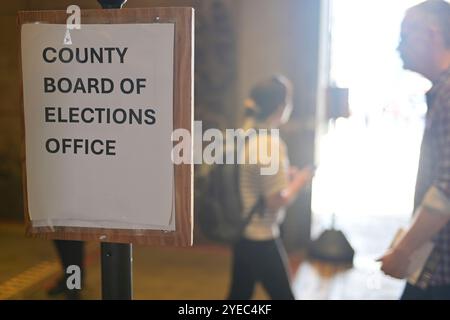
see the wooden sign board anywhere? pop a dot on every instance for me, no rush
(98, 116)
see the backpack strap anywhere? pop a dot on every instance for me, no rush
(260, 204)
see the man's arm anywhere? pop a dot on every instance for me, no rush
(424, 227)
(434, 212)
(430, 218)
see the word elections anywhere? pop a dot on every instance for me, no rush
(100, 115)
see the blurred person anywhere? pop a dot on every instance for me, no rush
(259, 255)
(425, 48)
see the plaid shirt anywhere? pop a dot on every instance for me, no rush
(433, 179)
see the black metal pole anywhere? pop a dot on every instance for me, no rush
(116, 259)
(117, 278)
(112, 4)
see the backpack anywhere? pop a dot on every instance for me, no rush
(220, 212)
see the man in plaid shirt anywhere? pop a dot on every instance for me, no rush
(425, 48)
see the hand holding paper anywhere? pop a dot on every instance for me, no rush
(400, 265)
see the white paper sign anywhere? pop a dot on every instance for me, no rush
(98, 123)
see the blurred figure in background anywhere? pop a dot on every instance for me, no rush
(425, 48)
(259, 255)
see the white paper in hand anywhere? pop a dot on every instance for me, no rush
(418, 258)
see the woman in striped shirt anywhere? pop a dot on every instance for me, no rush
(259, 256)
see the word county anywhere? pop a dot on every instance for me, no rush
(84, 55)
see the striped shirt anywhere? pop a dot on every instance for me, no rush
(253, 185)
